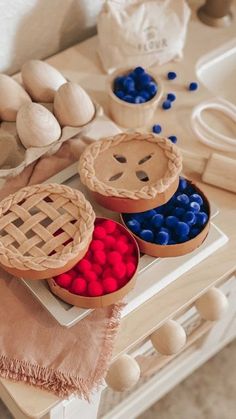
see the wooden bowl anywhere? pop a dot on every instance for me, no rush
(180, 249)
(101, 301)
(131, 115)
(44, 230)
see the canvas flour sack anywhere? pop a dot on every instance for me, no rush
(141, 32)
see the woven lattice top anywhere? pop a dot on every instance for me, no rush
(44, 226)
(130, 165)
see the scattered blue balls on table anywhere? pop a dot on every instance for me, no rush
(193, 86)
(136, 87)
(156, 129)
(173, 139)
(171, 97)
(171, 75)
(182, 218)
(166, 105)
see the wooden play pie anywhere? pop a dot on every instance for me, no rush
(131, 172)
(44, 230)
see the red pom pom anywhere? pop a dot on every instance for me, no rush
(110, 242)
(131, 259)
(122, 247)
(99, 232)
(109, 284)
(130, 269)
(83, 265)
(95, 289)
(97, 245)
(114, 257)
(88, 255)
(131, 249)
(64, 280)
(90, 276)
(122, 282)
(124, 238)
(119, 270)
(72, 273)
(97, 269)
(100, 257)
(79, 286)
(107, 272)
(109, 226)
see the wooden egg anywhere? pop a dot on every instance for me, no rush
(12, 97)
(36, 126)
(212, 305)
(123, 373)
(41, 80)
(73, 106)
(169, 338)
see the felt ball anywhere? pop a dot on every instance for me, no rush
(122, 247)
(178, 212)
(146, 215)
(109, 225)
(171, 221)
(182, 239)
(182, 184)
(138, 71)
(182, 199)
(107, 272)
(166, 104)
(99, 232)
(131, 258)
(173, 139)
(145, 95)
(152, 88)
(78, 286)
(128, 98)
(156, 129)
(97, 269)
(100, 257)
(64, 280)
(144, 79)
(165, 229)
(194, 232)
(97, 245)
(196, 198)
(122, 282)
(123, 238)
(120, 94)
(119, 82)
(73, 274)
(131, 250)
(139, 99)
(162, 238)
(171, 97)
(194, 206)
(95, 289)
(119, 270)
(130, 269)
(201, 218)
(83, 266)
(129, 84)
(109, 284)
(171, 75)
(147, 235)
(114, 257)
(110, 242)
(157, 220)
(90, 276)
(134, 226)
(189, 218)
(182, 229)
(193, 86)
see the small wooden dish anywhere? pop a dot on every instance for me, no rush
(131, 172)
(131, 115)
(101, 301)
(44, 230)
(173, 250)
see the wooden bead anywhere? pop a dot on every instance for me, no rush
(123, 373)
(212, 305)
(169, 338)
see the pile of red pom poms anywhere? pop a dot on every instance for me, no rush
(108, 265)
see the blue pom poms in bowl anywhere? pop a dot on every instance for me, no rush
(175, 228)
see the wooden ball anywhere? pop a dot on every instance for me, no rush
(169, 338)
(123, 373)
(212, 305)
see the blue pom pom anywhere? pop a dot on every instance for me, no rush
(194, 206)
(182, 184)
(138, 71)
(120, 94)
(139, 99)
(183, 238)
(171, 221)
(134, 226)
(189, 218)
(145, 95)
(128, 98)
(147, 235)
(143, 80)
(156, 129)
(171, 75)
(179, 212)
(148, 214)
(166, 104)
(182, 199)
(193, 86)
(173, 139)
(119, 82)
(166, 230)
(201, 218)
(171, 241)
(182, 229)
(162, 238)
(194, 232)
(196, 198)
(171, 97)
(129, 84)
(157, 220)
(138, 216)
(152, 88)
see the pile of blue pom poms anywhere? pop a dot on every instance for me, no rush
(136, 87)
(182, 218)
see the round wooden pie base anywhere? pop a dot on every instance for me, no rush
(48, 273)
(172, 250)
(135, 205)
